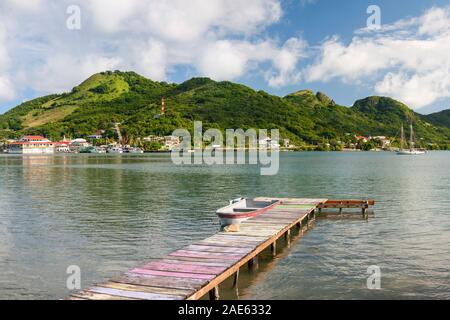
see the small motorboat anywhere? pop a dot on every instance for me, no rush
(241, 209)
(114, 149)
(132, 150)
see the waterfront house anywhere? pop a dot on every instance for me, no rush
(268, 143)
(62, 146)
(97, 135)
(77, 144)
(361, 139)
(32, 145)
(153, 138)
(171, 142)
(385, 142)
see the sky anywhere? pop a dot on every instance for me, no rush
(348, 49)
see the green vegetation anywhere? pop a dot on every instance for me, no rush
(308, 120)
(441, 118)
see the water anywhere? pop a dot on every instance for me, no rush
(106, 214)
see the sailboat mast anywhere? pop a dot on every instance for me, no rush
(402, 141)
(411, 136)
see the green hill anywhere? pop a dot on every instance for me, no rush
(441, 118)
(305, 117)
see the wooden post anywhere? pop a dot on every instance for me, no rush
(253, 263)
(309, 219)
(236, 278)
(287, 236)
(214, 293)
(273, 246)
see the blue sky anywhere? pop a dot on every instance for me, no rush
(276, 46)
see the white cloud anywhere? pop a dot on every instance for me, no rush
(7, 91)
(435, 21)
(411, 56)
(63, 71)
(222, 39)
(151, 60)
(226, 59)
(176, 21)
(4, 56)
(25, 5)
(111, 16)
(285, 63)
(416, 89)
(223, 61)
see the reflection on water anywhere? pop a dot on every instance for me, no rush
(109, 213)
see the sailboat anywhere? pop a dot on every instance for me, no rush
(411, 150)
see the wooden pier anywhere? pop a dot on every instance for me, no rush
(198, 269)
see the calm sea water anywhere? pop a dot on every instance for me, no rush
(110, 213)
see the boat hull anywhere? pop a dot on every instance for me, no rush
(235, 218)
(410, 152)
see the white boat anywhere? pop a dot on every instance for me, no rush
(133, 150)
(242, 209)
(92, 149)
(115, 149)
(411, 151)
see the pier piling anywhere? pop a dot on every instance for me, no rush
(198, 269)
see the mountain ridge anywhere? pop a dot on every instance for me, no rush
(304, 116)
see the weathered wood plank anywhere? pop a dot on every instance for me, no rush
(200, 267)
(234, 244)
(164, 282)
(197, 254)
(183, 267)
(133, 294)
(217, 249)
(233, 236)
(75, 298)
(257, 233)
(173, 274)
(157, 290)
(195, 261)
(88, 295)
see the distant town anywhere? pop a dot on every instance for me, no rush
(97, 143)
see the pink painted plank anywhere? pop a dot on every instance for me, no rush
(233, 244)
(194, 261)
(218, 249)
(173, 274)
(198, 254)
(134, 294)
(183, 267)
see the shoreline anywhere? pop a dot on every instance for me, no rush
(169, 152)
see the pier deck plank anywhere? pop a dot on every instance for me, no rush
(191, 272)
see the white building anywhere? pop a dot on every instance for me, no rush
(32, 145)
(385, 142)
(154, 139)
(268, 143)
(77, 144)
(171, 141)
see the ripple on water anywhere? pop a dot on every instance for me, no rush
(110, 213)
